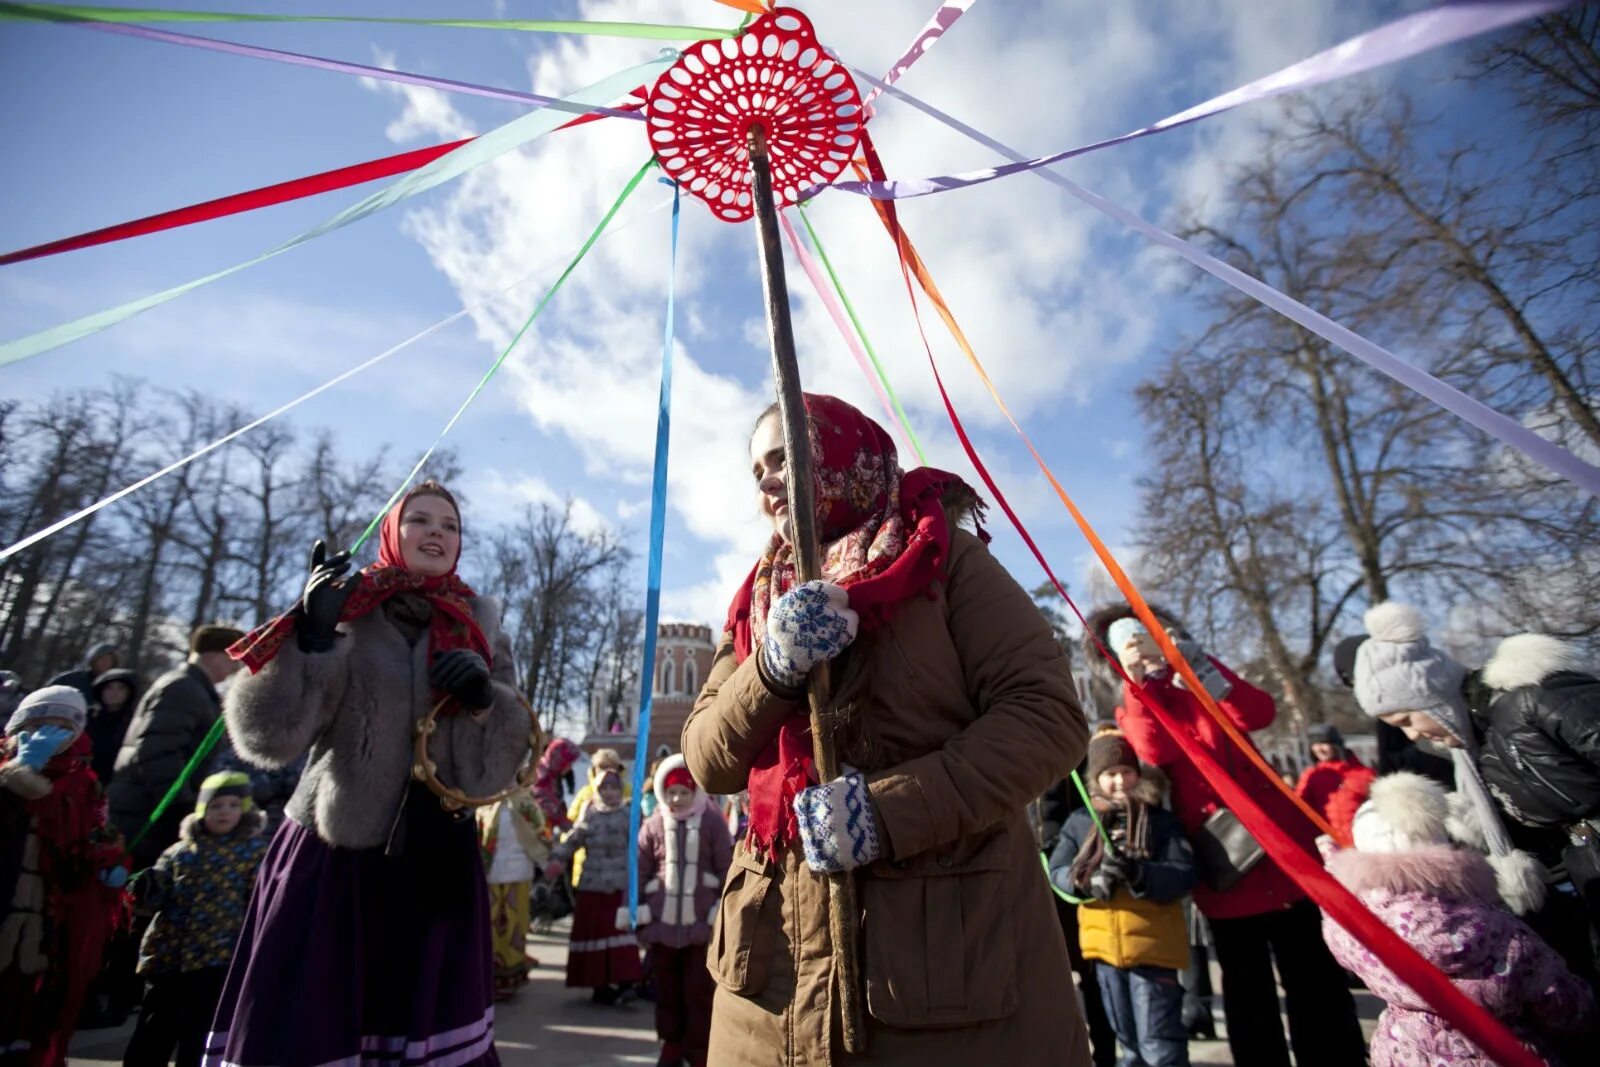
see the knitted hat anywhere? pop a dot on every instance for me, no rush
(62, 705)
(1402, 812)
(1398, 670)
(225, 784)
(213, 638)
(678, 776)
(1107, 750)
(1118, 633)
(1324, 733)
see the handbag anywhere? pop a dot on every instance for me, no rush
(1225, 850)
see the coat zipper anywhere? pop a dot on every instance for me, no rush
(1531, 769)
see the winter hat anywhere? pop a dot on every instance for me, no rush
(1404, 811)
(1324, 733)
(59, 704)
(1398, 670)
(678, 776)
(1107, 750)
(1118, 633)
(213, 638)
(1344, 658)
(225, 784)
(674, 770)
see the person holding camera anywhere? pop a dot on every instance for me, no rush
(1130, 858)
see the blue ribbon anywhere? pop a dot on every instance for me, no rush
(652, 595)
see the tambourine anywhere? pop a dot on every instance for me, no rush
(426, 771)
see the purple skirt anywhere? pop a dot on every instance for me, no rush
(356, 958)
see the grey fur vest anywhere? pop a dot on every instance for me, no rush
(353, 708)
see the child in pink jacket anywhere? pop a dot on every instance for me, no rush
(1443, 901)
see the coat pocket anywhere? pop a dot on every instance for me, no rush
(743, 936)
(939, 940)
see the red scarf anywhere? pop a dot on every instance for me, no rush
(884, 539)
(452, 625)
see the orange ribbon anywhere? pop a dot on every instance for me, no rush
(755, 7)
(913, 262)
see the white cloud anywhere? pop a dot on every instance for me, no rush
(1051, 295)
(499, 497)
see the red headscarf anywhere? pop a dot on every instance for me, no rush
(884, 539)
(452, 625)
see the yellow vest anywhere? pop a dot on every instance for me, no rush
(1128, 932)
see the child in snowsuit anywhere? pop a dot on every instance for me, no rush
(600, 956)
(198, 888)
(509, 832)
(1133, 923)
(1445, 903)
(684, 853)
(62, 868)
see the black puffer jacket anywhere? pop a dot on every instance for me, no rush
(1541, 747)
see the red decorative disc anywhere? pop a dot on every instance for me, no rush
(776, 74)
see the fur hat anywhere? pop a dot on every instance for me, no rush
(1398, 670)
(1528, 659)
(1107, 750)
(60, 704)
(1403, 811)
(1099, 625)
(225, 784)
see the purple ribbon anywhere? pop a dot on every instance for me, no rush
(926, 38)
(1485, 418)
(360, 70)
(1403, 38)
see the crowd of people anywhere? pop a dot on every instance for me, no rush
(303, 894)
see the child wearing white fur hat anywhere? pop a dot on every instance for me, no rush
(1403, 680)
(1444, 902)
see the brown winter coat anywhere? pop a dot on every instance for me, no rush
(960, 711)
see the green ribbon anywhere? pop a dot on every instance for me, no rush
(627, 191)
(215, 733)
(501, 139)
(207, 743)
(78, 13)
(861, 332)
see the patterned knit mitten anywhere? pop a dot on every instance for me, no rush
(837, 827)
(1215, 682)
(810, 624)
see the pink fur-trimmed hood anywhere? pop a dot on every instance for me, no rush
(1434, 870)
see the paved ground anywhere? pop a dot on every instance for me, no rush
(549, 1025)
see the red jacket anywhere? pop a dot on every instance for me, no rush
(1266, 888)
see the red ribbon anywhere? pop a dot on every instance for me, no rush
(1333, 898)
(266, 196)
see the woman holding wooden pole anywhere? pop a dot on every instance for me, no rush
(952, 708)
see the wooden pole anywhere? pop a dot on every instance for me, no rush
(803, 532)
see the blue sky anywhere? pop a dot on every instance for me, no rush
(1067, 312)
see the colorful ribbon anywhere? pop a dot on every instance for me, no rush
(106, 501)
(359, 70)
(809, 265)
(926, 38)
(1328, 894)
(477, 151)
(627, 191)
(1405, 37)
(1499, 426)
(649, 31)
(652, 589)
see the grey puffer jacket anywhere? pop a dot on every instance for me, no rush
(603, 835)
(353, 707)
(166, 730)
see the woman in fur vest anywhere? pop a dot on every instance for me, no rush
(956, 705)
(684, 853)
(368, 931)
(1259, 919)
(1445, 903)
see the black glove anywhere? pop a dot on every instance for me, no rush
(1128, 871)
(464, 675)
(323, 600)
